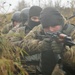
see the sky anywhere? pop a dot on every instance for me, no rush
(7, 8)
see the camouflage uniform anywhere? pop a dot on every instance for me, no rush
(13, 30)
(68, 58)
(37, 47)
(26, 14)
(7, 28)
(15, 20)
(19, 30)
(45, 53)
(17, 34)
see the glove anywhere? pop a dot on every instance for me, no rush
(56, 47)
(48, 40)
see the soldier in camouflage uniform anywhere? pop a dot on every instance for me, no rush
(18, 31)
(45, 53)
(24, 17)
(33, 20)
(15, 21)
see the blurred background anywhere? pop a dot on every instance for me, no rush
(7, 7)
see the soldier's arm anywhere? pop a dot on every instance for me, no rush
(16, 34)
(13, 30)
(69, 53)
(33, 44)
(6, 28)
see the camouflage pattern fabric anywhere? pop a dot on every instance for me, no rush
(30, 40)
(68, 59)
(14, 29)
(69, 53)
(17, 28)
(58, 71)
(72, 21)
(7, 28)
(16, 34)
(33, 45)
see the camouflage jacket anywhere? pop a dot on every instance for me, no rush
(17, 33)
(39, 51)
(7, 28)
(30, 40)
(34, 45)
(17, 28)
(12, 32)
(14, 29)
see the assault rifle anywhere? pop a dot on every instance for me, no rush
(59, 36)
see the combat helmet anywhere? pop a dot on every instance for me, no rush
(24, 14)
(16, 16)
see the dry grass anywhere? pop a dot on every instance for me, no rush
(10, 59)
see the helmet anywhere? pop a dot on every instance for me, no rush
(16, 16)
(24, 14)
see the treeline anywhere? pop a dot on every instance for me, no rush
(67, 8)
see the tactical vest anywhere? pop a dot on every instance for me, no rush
(36, 59)
(46, 60)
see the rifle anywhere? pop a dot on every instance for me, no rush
(56, 36)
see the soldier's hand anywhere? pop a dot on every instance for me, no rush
(48, 40)
(56, 47)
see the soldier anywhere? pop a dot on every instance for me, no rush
(20, 27)
(33, 20)
(24, 15)
(15, 20)
(47, 51)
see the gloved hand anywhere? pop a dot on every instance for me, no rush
(56, 47)
(48, 40)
